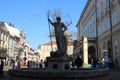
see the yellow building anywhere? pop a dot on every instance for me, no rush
(45, 49)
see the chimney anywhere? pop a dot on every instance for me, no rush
(11, 25)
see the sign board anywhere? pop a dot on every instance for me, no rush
(105, 53)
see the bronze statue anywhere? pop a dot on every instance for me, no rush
(61, 41)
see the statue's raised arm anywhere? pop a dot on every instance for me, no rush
(50, 21)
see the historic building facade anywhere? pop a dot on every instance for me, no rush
(11, 43)
(4, 36)
(45, 49)
(14, 46)
(100, 24)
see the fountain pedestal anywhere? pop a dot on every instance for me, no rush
(58, 63)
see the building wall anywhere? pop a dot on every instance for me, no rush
(4, 35)
(104, 32)
(9, 42)
(97, 24)
(46, 48)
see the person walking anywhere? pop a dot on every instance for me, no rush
(41, 64)
(1, 67)
(78, 62)
(28, 64)
(18, 64)
(94, 62)
(13, 64)
(46, 63)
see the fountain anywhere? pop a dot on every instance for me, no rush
(58, 69)
(58, 65)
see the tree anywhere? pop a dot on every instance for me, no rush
(58, 13)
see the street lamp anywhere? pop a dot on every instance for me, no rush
(111, 38)
(111, 41)
(96, 29)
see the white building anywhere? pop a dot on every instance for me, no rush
(12, 41)
(4, 41)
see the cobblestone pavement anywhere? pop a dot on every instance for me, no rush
(114, 74)
(6, 75)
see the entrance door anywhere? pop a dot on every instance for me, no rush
(91, 51)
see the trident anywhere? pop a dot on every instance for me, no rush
(50, 32)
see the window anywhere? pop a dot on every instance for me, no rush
(116, 49)
(2, 36)
(96, 1)
(108, 22)
(98, 12)
(94, 28)
(88, 32)
(102, 26)
(101, 7)
(114, 18)
(107, 3)
(91, 31)
(98, 29)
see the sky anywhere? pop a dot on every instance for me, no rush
(31, 16)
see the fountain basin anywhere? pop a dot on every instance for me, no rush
(72, 74)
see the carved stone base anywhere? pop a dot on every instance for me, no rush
(58, 63)
(57, 54)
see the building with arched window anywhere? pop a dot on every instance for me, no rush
(100, 24)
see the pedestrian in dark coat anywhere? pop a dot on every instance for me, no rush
(1, 67)
(94, 62)
(78, 62)
(28, 64)
(46, 63)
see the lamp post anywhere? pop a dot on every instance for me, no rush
(111, 41)
(96, 29)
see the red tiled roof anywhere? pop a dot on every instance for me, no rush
(49, 43)
(54, 42)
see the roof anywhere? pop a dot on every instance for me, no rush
(2, 24)
(49, 43)
(13, 31)
(70, 43)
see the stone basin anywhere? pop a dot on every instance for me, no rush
(71, 74)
